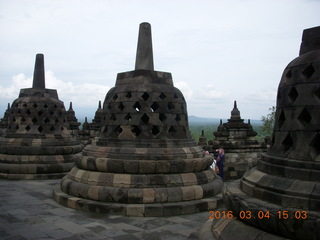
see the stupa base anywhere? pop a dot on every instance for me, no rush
(137, 210)
(291, 223)
(44, 176)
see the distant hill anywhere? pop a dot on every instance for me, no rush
(193, 120)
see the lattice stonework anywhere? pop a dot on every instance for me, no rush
(144, 162)
(149, 115)
(287, 177)
(37, 143)
(37, 117)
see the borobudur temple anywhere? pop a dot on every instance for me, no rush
(282, 194)
(144, 162)
(37, 143)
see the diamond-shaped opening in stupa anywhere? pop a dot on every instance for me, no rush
(128, 118)
(162, 117)
(155, 130)
(137, 107)
(40, 129)
(121, 106)
(287, 142)
(170, 106)
(145, 118)
(308, 71)
(154, 106)
(293, 94)
(317, 93)
(145, 96)
(305, 117)
(113, 117)
(128, 95)
(136, 131)
(162, 96)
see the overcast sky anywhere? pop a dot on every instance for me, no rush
(217, 51)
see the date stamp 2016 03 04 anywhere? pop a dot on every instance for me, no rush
(258, 215)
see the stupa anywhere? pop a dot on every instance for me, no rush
(72, 120)
(96, 123)
(144, 162)
(4, 120)
(282, 194)
(37, 143)
(237, 138)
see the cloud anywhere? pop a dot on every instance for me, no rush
(83, 95)
(185, 89)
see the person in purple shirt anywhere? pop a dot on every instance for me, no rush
(220, 160)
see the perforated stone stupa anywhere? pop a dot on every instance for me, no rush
(144, 162)
(36, 143)
(286, 181)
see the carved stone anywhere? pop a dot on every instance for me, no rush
(37, 143)
(287, 178)
(144, 162)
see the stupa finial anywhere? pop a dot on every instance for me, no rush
(144, 58)
(99, 105)
(70, 106)
(38, 75)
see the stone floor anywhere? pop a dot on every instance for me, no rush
(27, 211)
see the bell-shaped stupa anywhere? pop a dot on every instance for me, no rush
(282, 194)
(37, 143)
(144, 162)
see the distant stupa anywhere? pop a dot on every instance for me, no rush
(37, 143)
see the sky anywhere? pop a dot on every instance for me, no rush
(217, 51)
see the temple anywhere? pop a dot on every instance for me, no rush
(282, 194)
(238, 140)
(144, 162)
(36, 143)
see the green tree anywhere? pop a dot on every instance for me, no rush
(268, 122)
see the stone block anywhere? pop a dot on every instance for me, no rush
(93, 192)
(174, 180)
(174, 194)
(188, 193)
(101, 164)
(189, 179)
(147, 167)
(122, 180)
(153, 210)
(198, 192)
(139, 180)
(131, 166)
(161, 195)
(171, 209)
(120, 195)
(162, 166)
(135, 210)
(106, 194)
(93, 178)
(148, 195)
(135, 195)
(157, 180)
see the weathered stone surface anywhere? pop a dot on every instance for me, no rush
(286, 179)
(36, 143)
(237, 139)
(144, 141)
